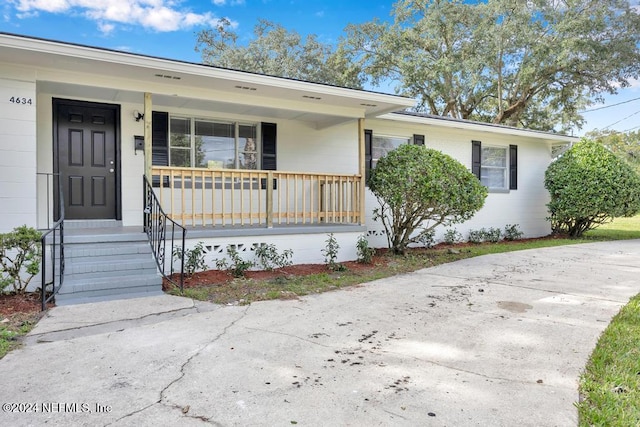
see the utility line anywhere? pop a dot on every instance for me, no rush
(609, 106)
(630, 115)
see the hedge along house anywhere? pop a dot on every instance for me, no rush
(237, 158)
(511, 162)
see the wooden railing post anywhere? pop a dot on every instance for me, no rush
(361, 170)
(147, 136)
(270, 199)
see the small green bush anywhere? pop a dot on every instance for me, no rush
(237, 266)
(269, 258)
(485, 235)
(193, 258)
(20, 258)
(427, 238)
(476, 236)
(452, 236)
(330, 253)
(492, 235)
(365, 253)
(512, 232)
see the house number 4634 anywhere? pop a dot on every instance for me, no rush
(19, 100)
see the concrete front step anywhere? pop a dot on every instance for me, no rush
(97, 268)
(107, 262)
(91, 251)
(85, 298)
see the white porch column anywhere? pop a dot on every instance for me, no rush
(361, 168)
(148, 155)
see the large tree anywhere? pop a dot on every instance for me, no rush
(624, 144)
(521, 63)
(276, 51)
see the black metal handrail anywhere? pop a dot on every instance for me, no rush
(56, 241)
(155, 225)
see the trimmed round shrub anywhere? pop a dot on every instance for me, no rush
(418, 189)
(589, 185)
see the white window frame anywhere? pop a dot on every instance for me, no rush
(192, 138)
(404, 139)
(505, 169)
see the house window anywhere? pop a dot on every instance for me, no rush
(493, 167)
(212, 144)
(382, 145)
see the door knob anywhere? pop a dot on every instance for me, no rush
(111, 170)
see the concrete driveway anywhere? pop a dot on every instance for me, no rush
(497, 340)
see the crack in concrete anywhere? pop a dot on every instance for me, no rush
(394, 414)
(289, 335)
(188, 361)
(489, 281)
(533, 318)
(185, 410)
(183, 367)
(477, 374)
(109, 326)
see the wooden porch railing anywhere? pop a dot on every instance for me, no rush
(237, 197)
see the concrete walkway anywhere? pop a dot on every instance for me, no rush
(498, 340)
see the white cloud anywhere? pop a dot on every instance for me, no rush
(106, 28)
(231, 2)
(156, 15)
(320, 14)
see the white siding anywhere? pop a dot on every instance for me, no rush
(307, 248)
(305, 149)
(17, 152)
(525, 206)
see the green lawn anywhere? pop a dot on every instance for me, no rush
(621, 228)
(610, 384)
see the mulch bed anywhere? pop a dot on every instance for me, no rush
(19, 303)
(218, 277)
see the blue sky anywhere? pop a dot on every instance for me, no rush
(167, 28)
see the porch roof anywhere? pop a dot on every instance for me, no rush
(123, 76)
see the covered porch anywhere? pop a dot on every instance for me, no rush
(233, 198)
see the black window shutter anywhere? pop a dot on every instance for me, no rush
(513, 167)
(368, 145)
(269, 146)
(160, 138)
(476, 157)
(269, 151)
(418, 139)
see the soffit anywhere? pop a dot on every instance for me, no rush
(190, 83)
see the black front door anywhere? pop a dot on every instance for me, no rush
(85, 157)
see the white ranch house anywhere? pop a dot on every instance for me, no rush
(236, 158)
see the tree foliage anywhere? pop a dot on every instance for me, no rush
(521, 63)
(420, 188)
(624, 144)
(278, 52)
(589, 185)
